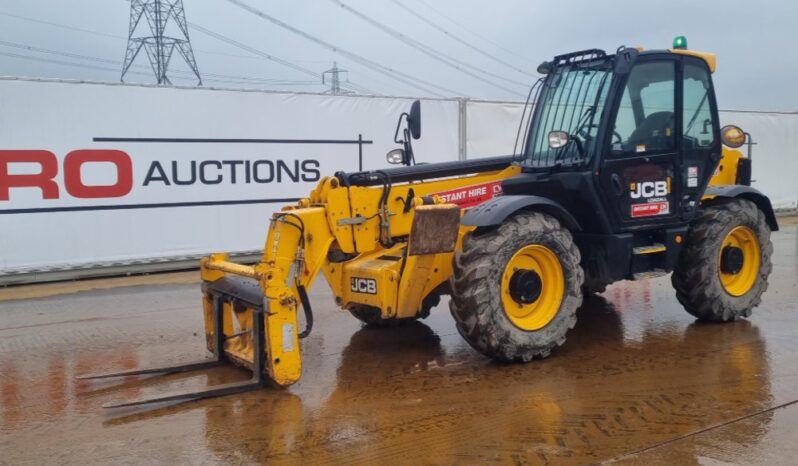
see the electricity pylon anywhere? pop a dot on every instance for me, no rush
(159, 47)
(335, 80)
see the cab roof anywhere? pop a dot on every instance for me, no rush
(590, 56)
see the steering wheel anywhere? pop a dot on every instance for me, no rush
(584, 133)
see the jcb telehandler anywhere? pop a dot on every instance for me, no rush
(624, 174)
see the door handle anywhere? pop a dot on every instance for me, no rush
(617, 184)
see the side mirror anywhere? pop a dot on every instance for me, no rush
(414, 120)
(395, 157)
(558, 139)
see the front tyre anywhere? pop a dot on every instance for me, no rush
(724, 265)
(516, 288)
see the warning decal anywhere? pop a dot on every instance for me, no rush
(469, 196)
(651, 208)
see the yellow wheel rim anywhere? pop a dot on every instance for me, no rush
(741, 282)
(538, 313)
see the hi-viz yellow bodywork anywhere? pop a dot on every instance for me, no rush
(346, 220)
(400, 281)
(726, 173)
(373, 239)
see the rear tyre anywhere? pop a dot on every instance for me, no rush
(372, 317)
(516, 288)
(724, 265)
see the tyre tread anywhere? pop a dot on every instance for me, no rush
(475, 304)
(695, 278)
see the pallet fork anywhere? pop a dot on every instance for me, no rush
(257, 381)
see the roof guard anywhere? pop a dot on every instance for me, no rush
(581, 56)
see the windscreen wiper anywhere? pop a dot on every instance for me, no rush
(575, 135)
(695, 114)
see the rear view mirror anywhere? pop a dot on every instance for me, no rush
(414, 120)
(411, 130)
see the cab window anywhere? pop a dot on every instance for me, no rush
(645, 121)
(697, 120)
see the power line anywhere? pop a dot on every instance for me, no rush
(249, 49)
(219, 77)
(245, 81)
(60, 62)
(466, 28)
(258, 55)
(435, 54)
(458, 39)
(267, 56)
(116, 70)
(62, 26)
(390, 72)
(103, 34)
(394, 74)
(116, 62)
(56, 52)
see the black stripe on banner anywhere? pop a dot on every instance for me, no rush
(234, 141)
(146, 206)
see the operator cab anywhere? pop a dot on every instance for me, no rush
(626, 141)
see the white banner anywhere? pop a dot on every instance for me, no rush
(491, 128)
(105, 174)
(774, 155)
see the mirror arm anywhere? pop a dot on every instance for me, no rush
(398, 126)
(410, 158)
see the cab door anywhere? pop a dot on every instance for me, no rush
(639, 171)
(700, 133)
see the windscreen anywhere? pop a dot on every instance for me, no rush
(572, 100)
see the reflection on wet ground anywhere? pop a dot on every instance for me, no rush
(638, 381)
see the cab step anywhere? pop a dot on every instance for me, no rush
(651, 249)
(649, 274)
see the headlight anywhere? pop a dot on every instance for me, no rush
(395, 157)
(732, 136)
(558, 139)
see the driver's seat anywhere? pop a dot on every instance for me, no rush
(653, 131)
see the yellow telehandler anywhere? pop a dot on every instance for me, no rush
(624, 174)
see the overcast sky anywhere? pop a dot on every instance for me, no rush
(755, 42)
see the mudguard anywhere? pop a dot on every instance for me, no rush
(744, 192)
(496, 210)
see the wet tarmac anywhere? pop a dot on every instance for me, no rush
(638, 381)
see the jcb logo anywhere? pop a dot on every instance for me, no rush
(648, 189)
(364, 285)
